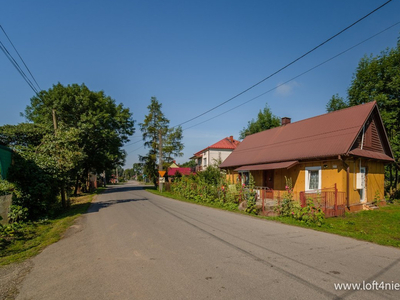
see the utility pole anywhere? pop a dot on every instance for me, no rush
(54, 121)
(62, 189)
(160, 162)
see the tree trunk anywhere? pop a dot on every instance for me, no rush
(63, 200)
(76, 185)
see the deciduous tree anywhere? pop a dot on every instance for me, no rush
(378, 78)
(265, 120)
(104, 126)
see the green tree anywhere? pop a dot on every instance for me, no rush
(378, 78)
(336, 103)
(189, 164)
(172, 146)
(155, 128)
(104, 126)
(265, 120)
(23, 134)
(137, 169)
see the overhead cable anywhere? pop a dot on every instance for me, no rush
(20, 57)
(286, 66)
(16, 65)
(297, 76)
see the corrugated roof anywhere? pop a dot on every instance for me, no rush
(370, 154)
(273, 166)
(326, 135)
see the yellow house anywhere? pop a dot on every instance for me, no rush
(338, 157)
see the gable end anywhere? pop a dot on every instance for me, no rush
(372, 137)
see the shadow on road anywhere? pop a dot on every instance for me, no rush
(123, 188)
(96, 206)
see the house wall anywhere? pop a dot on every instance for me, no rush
(214, 155)
(375, 181)
(332, 171)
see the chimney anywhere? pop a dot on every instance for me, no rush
(285, 120)
(231, 138)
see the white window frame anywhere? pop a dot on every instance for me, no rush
(307, 179)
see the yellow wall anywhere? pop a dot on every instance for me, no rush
(333, 171)
(375, 180)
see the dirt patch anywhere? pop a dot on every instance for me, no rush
(11, 277)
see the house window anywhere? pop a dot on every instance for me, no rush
(205, 162)
(313, 178)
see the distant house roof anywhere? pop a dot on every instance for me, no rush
(183, 171)
(228, 143)
(357, 131)
(174, 165)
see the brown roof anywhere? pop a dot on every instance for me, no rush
(322, 136)
(272, 166)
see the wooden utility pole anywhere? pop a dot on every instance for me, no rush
(160, 162)
(62, 189)
(54, 121)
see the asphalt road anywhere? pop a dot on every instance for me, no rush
(135, 245)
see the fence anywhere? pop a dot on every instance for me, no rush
(331, 201)
(269, 199)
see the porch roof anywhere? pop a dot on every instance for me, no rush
(272, 166)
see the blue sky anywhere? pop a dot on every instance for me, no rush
(192, 55)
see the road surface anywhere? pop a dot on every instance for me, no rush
(135, 245)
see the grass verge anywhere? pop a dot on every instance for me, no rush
(380, 226)
(36, 236)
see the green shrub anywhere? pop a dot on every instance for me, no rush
(310, 214)
(17, 214)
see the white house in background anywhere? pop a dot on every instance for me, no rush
(215, 153)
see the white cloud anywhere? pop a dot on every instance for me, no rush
(286, 89)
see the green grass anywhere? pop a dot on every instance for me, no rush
(38, 235)
(380, 226)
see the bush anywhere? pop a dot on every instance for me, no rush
(311, 213)
(17, 214)
(34, 189)
(6, 187)
(209, 186)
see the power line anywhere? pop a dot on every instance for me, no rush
(20, 57)
(130, 144)
(16, 65)
(293, 78)
(135, 149)
(297, 76)
(286, 66)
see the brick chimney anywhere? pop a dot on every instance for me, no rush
(286, 120)
(231, 138)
